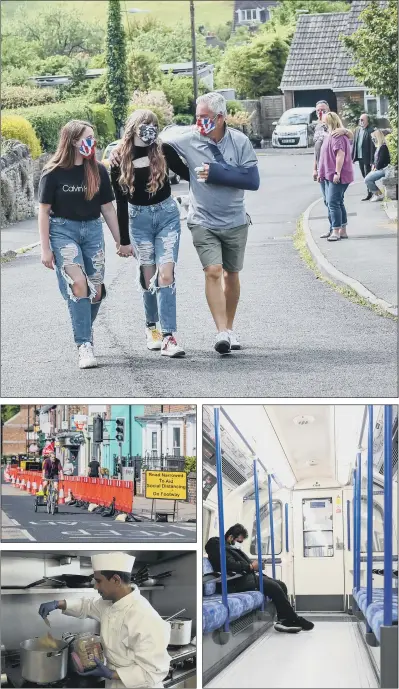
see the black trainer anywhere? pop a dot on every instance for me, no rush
(368, 197)
(305, 624)
(288, 626)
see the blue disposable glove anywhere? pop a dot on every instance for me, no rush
(100, 671)
(46, 608)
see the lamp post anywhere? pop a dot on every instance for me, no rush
(194, 51)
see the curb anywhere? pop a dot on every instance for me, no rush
(13, 253)
(329, 270)
(390, 208)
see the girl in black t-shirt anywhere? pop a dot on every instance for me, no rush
(149, 220)
(74, 191)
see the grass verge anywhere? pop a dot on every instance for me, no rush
(347, 292)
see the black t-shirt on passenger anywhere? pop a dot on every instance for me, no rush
(64, 189)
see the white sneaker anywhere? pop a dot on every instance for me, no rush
(377, 197)
(171, 348)
(234, 342)
(154, 338)
(222, 342)
(86, 356)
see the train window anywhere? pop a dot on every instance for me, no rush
(317, 527)
(378, 527)
(265, 530)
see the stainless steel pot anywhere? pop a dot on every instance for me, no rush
(180, 631)
(42, 666)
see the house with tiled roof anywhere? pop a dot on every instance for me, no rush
(250, 12)
(318, 64)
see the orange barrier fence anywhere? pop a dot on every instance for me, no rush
(100, 491)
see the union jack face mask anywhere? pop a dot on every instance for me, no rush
(88, 147)
(205, 125)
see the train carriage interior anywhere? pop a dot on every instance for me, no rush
(314, 487)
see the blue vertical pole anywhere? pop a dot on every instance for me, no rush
(358, 518)
(348, 523)
(286, 528)
(369, 584)
(354, 526)
(269, 483)
(388, 515)
(258, 532)
(222, 544)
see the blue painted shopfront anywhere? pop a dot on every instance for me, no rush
(132, 444)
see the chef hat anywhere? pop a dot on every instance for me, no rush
(114, 562)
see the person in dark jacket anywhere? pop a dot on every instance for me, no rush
(381, 161)
(363, 148)
(237, 562)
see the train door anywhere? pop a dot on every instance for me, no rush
(319, 576)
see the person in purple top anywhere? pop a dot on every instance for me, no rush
(336, 168)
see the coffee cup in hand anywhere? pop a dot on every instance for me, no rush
(199, 169)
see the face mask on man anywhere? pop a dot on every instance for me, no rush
(236, 545)
(87, 147)
(147, 133)
(205, 125)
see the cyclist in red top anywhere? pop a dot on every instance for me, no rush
(51, 470)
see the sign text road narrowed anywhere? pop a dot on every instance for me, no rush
(166, 485)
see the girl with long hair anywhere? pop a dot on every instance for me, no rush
(74, 191)
(149, 222)
(336, 169)
(382, 159)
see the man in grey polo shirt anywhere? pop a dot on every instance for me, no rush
(222, 164)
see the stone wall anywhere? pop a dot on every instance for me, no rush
(38, 166)
(266, 110)
(17, 190)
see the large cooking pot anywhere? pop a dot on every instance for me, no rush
(180, 631)
(43, 666)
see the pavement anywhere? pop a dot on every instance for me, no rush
(367, 261)
(300, 338)
(21, 236)
(21, 524)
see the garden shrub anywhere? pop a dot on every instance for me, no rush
(183, 119)
(103, 122)
(155, 101)
(13, 97)
(392, 143)
(16, 127)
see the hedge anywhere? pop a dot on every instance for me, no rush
(13, 97)
(17, 127)
(47, 122)
(392, 142)
(183, 119)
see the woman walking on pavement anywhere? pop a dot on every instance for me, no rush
(149, 222)
(74, 191)
(336, 168)
(381, 160)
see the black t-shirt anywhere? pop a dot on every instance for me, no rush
(64, 189)
(94, 467)
(141, 196)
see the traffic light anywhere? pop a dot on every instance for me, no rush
(120, 430)
(98, 427)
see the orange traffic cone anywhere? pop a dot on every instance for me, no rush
(34, 488)
(17, 482)
(28, 486)
(40, 488)
(23, 485)
(61, 497)
(13, 480)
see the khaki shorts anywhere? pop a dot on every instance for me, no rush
(221, 247)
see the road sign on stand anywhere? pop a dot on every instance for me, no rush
(166, 485)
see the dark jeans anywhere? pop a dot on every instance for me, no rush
(365, 168)
(272, 588)
(323, 191)
(335, 198)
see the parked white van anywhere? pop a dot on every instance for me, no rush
(294, 128)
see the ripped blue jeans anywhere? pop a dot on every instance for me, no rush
(155, 235)
(79, 243)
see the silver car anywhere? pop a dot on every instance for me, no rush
(295, 128)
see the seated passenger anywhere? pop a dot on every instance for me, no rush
(239, 563)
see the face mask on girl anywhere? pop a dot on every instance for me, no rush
(87, 147)
(147, 133)
(205, 125)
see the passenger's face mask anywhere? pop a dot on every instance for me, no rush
(205, 125)
(236, 545)
(147, 133)
(87, 147)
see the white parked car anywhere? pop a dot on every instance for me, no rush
(295, 128)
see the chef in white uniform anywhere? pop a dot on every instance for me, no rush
(133, 635)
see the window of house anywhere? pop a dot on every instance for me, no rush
(154, 441)
(265, 530)
(376, 105)
(249, 15)
(176, 442)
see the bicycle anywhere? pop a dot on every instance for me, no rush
(52, 496)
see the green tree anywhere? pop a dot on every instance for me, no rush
(58, 31)
(117, 87)
(170, 43)
(375, 48)
(8, 411)
(143, 71)
(255, 69)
